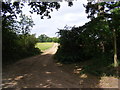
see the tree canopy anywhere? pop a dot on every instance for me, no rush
(10, 10)
(109, 11)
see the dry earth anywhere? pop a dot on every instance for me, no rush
(42, 72)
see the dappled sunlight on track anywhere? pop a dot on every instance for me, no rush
(41, 71)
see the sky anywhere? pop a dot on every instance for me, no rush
(70, 16)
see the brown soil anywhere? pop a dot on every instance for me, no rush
(41, 71)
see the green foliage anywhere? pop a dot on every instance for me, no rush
(45, 38)
(101, 66)
(43, 9)
(28, 49)
(25, 24)
(14, 49)
(55, 39)
(95, 38)
(110, 12)
(83, 43)
(16, 45)
(42, 38)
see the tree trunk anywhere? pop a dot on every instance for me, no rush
(115, 49)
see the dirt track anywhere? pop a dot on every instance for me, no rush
(42, 72)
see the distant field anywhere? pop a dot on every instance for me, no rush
(44, 46)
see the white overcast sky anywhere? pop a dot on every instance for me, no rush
(66, 15)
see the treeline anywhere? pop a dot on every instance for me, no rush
(17, 42)
(45, 38)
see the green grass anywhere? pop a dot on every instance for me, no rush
(44, 46)
(102, 66)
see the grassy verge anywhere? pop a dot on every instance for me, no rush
(101, 66)
(44, 46)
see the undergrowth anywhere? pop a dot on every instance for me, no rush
(101, 65)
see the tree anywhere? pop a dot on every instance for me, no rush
(86, 42)
(110, 12)
(45, 38)
(31, 40)
(16, 40)
(25, 25)
(55, 39)
(10, 10)
(9, 38)
(42, 38)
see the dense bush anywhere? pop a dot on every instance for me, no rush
(84, 43)
(16, 44)
(14, 50)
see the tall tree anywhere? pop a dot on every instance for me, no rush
(25, 23)
(109, 11)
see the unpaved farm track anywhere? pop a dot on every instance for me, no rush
(42, 72)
